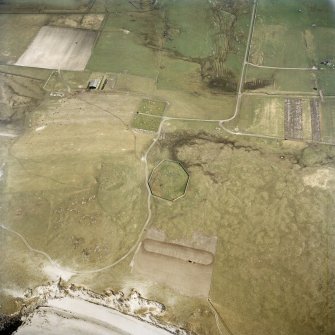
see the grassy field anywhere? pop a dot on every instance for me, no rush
(118, 51)
(316, 39)
(177, 74)
(147, 115)
(145, 122)
(278, 45)
(34, 73)
(264, 116)
(263, 80)
(67, 80)
(285, 36)
(189, 24)
(328, 121)
(279, 81)
(58, 196)
(168, 180)
(158, 44)
(326, 81)
(14, 35)
(260, 115)
(152, 107)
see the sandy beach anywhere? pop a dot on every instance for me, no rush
(76, 310)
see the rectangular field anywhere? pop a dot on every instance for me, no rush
(293, 124)
(293, 33)
(260, 115)
(315, 120)
(118, 51)
(59, 48)
(275, 80)
(148, 115)
(14, 35)
(328, 120)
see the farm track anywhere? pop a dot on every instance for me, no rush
(282, 68)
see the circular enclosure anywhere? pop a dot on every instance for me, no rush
(168, 180)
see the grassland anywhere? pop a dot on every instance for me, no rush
(191, 26)
(285, 36)
(261, 210)
(260, 115)
(279, 37)
(75, 183)
(281, 81)
(119, 52)
(14, 35)
(72, 184)
(45, 5)
(168, 180)
(264, 116)
(18, 96)
(148, 115)
(290, 56)
(326, 81)
(146, 122)
(152, 107)
(328, 120)
(66, 81)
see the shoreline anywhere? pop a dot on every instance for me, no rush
(59, 307)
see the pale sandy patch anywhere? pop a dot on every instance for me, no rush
(322, 178)
(54, 272)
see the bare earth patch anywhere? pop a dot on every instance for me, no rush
(177, 264)
(59, 48)
(322, 178)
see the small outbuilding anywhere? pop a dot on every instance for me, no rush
(93, 84)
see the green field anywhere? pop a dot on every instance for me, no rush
(264, 116)
(260, 115)
(158, 44)
(119, 52)
(148, 115)
(66, 81)
(328, 121)
(326, 81)
(281, 81)
(14, 35)
(146, 123)
(187, 25)
(285, 36)
(152, 107)
(168, 180)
